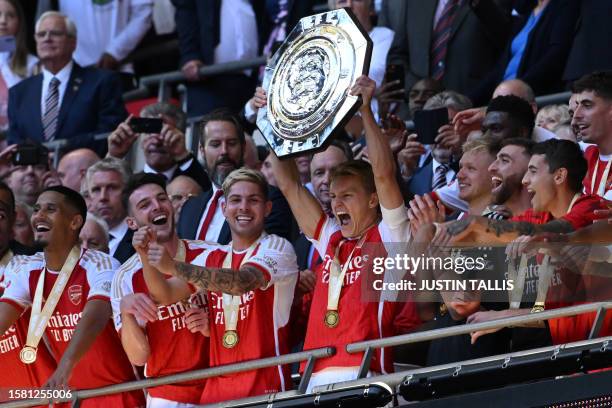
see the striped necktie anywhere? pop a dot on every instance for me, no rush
(49, 120)
(440, 176)
(439, 39)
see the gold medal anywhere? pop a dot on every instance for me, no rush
(230, 339)
(27, 355)
(332, 318)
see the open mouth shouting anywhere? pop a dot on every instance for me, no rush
(343, 218)
(244, 219)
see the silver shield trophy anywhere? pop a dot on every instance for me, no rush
(308, 81)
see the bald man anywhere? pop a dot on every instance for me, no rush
(179, 190)
(73, 166)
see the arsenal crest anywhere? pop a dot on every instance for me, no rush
(75, 294)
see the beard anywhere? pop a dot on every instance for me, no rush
(509, 186)
(218, 175)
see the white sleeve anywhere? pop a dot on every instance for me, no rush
(16, 283)
(100, 271)
(449, 195)
(325, 229)
(120, 287)
(137, 26)
(276, 258)
(395, 226)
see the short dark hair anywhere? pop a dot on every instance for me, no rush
(5, 187)
(525, 143)
(518, 108)
(356, 168)
(564, 154)
(73, 198)
(599, 82)
(223, 115)
(138, 180)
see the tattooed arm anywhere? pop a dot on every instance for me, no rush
(229, 281)
(481, 229)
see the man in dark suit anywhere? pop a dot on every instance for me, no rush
(106, 180)
(222, 146)
(165, 153)
(590, 50)
(455, 41)
(65, 101)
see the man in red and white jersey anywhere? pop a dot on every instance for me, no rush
(593, 121)
(76, 316)
(165, 339)
(14, 373)
(359, 193)
(250, 284)
(554, 178)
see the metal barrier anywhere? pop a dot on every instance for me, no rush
(169, 78)
(365, 346)
(310, 356)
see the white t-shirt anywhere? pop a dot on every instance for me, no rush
(112, 26)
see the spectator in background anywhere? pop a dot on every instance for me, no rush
(94, 234)
(282, 16)
(471, 119)
(222, 145)
(65, 101)
(72, 167)
(22, 228)
(420, 92)
(27, 181)
(214, 32)
(165, 153)
(441, 166)
(106, 180)
(266, 169)
(109, 30)
(251, 156)
(538, 50)
(552, 116)
(84, 191)
(590, 50)
(17, 64)
(181, 189)
(455, 42)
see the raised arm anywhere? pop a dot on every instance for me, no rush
(305, 207)
(162, 290)
(379, 150)
(481, 229)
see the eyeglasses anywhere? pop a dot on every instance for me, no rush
(52, 33)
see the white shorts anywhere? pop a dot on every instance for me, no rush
(153, 402)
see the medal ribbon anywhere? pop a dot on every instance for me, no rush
(231, 303)
(336, 274)
(39, 318)
(601, 189)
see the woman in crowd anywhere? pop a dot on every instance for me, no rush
(16, 63)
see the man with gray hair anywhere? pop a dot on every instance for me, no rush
(94, 234)
(65, 101)
(106, 180)
(165, 152)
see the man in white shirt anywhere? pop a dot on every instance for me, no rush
(109, 30)
(214, 32)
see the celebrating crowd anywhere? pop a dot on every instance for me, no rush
(226, 253)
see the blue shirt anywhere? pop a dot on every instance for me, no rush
(517, 49)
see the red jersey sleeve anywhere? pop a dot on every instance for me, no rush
(582, 213)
